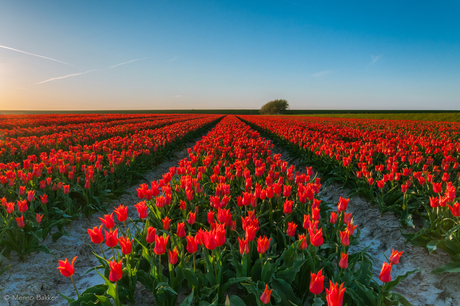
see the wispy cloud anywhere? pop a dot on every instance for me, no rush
(33, 54)
(375, 58)
(128, 62)
(178, 96)
(321, 74)
(66, 76)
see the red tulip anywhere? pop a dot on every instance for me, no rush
(116, 271)
(210, 241)
(345, 238)
(121, 212)
(20, 222)
(244, 245)
(395, 255)
(126, 245)
(288, 206)
(96, 234)
(303, 241)
(347, 218)
(22, 205)
(66, 268)
(181, 229)
(9, 208)
(343, 203)
(263, 244)
(455, 209)
(44, 199)
(291, 229)
(39, 217)
(166, 223)
(151, 234)
(251, 232)
(334, 295)
(343, 263)
(160, 245)
(210, 217)
(173, 256)
(333, 219)
(30, 195)
(192, 246)
(108, 221)
(317, 282)
(220, 235)
(142, 210)
(385, 273)
(315, 213)
(265, 297)
(111, 239)
(316, 236)
(191, 218)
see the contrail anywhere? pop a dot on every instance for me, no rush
(134, 60)
(28, 53)
(66, 76)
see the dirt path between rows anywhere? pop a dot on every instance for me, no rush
(382, 233)
(38, 280)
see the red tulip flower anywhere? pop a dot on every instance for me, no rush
(116, 271)
(244, 245)
(345, 238)
(343, 203)
(263, 244)
(395, 255)
(455, 209)
(160, 245)
(9, 208)
(20, 222)
(210, 217)
(166, 223)
(333, 219)
(210, 241)
(288, 206)
(192, 245)
(251, 232)
(173, 256)
(44, 199)
(291, 229)
(151, 234)
(343, 263)
(121, 212)
(181, 230)
(191, 218)
(220, 235)
(39, 218)
(316, 236)
(265, 297)
(96, 234)
(142, 210)
(303, 241)
(66, 268)
(334, 295)
(315, 214)
(111, 239)
(108, 221)
(22, 206)
(385, 273)
(30, 195)
(317, 282)
(126, 245)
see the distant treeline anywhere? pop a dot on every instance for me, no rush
(225, 111)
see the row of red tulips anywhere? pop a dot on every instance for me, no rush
(233, 217)
(408, 167)
(56, 189)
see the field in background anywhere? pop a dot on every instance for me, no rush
(449, 117)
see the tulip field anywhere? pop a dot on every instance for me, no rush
(231, 223)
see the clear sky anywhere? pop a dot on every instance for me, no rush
(75, 54)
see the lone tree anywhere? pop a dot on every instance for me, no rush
(277, 106)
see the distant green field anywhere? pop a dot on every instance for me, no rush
(449, 117)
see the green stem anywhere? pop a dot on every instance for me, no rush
(78, 295)
(100, 245)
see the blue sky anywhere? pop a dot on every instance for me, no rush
(229, 54)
